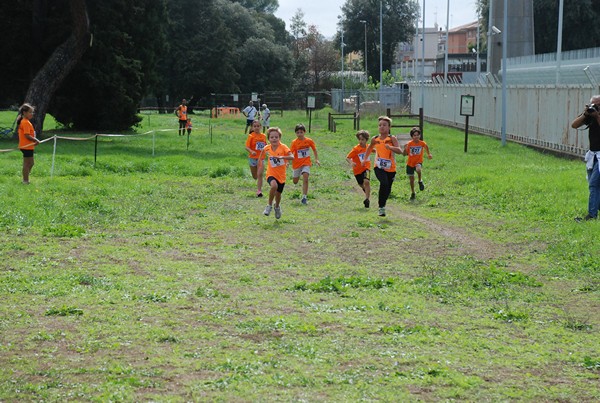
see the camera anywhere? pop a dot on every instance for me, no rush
(591, 108)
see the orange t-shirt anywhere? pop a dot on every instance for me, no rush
(358, 154)
(301, 150)
(415, 152)
(26, 128)
(182, 112)
(256, 142)
(276, 166)
(384, 158)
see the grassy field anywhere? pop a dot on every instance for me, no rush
(150, 274)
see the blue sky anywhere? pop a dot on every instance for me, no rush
(324, 13)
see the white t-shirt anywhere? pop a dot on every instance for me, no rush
(250, 112)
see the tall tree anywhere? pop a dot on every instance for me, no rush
(62, 61)
(399, 17)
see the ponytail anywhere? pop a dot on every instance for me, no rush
(24, 108)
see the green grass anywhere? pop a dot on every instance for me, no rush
(144, 276)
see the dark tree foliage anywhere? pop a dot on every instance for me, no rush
(264, 66)
(262, 6)
(399, 19)
(201, 58)
(28, 38)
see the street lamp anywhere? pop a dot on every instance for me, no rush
(366, 70)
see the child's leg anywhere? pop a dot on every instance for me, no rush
(412, 183)
(27, 165)
(367, 188)
(418, 169)
(259, 182)
(253, 171)
(305, 183)
(296, 179)
(277, 198)
(273, 191)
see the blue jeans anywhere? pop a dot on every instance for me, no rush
(594, 184)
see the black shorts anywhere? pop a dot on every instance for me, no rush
(363, 176)
(280, 186)
(249, 122)
(27, 153)
(410, 171)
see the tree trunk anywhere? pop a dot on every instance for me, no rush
(59, 65)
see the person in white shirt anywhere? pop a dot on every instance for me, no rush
(250, 113)
(266, 117)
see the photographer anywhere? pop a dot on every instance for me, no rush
(591, 118)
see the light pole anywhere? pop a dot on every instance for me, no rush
(504, 80)
(342, 69)
(366, 70)
(380, 43)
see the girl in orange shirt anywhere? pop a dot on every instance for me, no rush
(278, 154)
(362, 173)
(255, 143)
(385, 162)
(27, 140)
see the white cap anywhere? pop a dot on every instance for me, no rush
(264, 105)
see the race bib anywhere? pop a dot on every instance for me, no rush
(303, 153)
(415, 150)
(383, 163)
(260, 145)
(361, 157)
(276, 162)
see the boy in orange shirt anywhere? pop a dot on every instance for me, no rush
(255, 143)
(181, 113)
(27, 139)
(301, 149)
(362, 172)
(415, 150)
(278, 154)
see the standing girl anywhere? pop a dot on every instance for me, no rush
(278, 154)
(385, 163)
(27, 140)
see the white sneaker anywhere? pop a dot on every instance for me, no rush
(381, 211)
(268, 209)
(278, 212)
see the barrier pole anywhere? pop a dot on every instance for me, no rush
(153, 141)
(188, 142)
(95, 149)
(53, 156)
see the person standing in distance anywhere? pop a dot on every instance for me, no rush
(181, 113)
(591, 118)
(250, 113)
(27, 139)
(266, 117)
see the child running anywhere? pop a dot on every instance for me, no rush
(278, 154)
(415, 150)
(385, 163)
(301, 149)
(255, 143)
(362, 172)
(188, 126)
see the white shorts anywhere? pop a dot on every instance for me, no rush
(298, 172)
